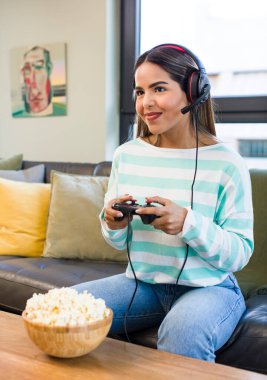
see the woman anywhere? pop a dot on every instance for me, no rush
(184, 260)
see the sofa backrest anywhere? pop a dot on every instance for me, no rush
(100, 169)
(103, 169)
(253, 278)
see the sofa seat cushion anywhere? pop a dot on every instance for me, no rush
(20, 277)
(248, 344)
(238, 351)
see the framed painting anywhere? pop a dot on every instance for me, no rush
(38, 80)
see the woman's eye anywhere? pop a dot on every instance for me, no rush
(160, 89)
(139, 92)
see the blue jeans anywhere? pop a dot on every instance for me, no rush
(200, 321)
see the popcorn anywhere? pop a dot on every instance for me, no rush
(65, 307)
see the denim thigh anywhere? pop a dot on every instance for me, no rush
(117, 291)
(202, 320)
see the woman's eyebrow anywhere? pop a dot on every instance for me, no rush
(151, 85)
(157, 83)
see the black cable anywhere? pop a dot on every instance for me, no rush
(186, 254)
(191, 203)
(136, 282)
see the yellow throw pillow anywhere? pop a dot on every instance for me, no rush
(73, 227)
(23, 216)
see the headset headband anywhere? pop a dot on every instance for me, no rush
(198, 87)
(183, 49)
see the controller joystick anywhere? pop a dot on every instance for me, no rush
(128, 209)
(148, 218)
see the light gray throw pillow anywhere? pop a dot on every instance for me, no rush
(33, 174)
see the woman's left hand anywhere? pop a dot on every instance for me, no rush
(171, 217)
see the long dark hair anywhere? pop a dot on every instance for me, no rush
(179, 65)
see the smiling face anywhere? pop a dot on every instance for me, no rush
(159, 100)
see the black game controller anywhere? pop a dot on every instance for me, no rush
(128, 209)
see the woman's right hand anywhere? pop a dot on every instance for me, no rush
(110, 214)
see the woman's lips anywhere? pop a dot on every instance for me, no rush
(152, 115)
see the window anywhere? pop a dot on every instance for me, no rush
(228, 36)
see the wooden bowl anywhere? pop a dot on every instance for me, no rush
(68, 342)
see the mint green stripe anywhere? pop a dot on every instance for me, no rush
(234, 254)
(190, 235)
(149, 280)
(239, 187)
(138, 225)
(160, 162)
(210, 259)
(119, 239)
(172, 162)
(213, 258)
(240, 224)
(144, 181)
(232, 170)
(206, 187)
(203, 209)
(148, 268)
(200, 273)
(221, 209)
(159, 249)
(194, 232)
(210, 236)
(197, 273)
(167, 183)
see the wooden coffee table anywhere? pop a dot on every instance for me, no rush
(21, 359)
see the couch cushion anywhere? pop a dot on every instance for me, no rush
(12, 163)
(34, 174)
(73, 229)
(23, 216)
(21, 277)
(247, 346)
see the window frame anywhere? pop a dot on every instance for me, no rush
(229, 109)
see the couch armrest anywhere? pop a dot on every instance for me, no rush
(247, 347)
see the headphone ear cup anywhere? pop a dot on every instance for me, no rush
(197, 85)
(193, 86)
(203, 85)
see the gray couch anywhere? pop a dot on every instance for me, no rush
(20, 277)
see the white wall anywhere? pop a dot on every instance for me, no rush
(90, 28)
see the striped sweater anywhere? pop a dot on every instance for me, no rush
(219, 228)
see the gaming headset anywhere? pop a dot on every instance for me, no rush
(198, 85)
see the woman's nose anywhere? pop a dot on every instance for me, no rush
(148, 100)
